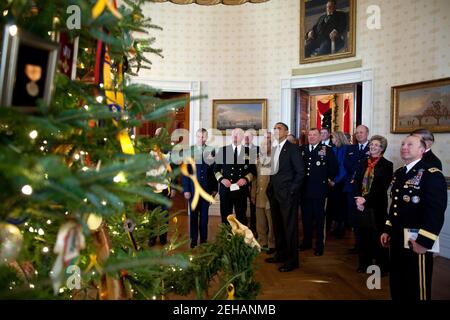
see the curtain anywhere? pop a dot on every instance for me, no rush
(212, 2)
(322, 107)
(347, 116)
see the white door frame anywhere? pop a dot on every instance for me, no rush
(191, 87)
(288, 86)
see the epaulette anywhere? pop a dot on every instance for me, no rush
(434, 169)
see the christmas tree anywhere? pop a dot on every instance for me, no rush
(73, 172)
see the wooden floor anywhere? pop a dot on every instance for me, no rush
(332, 276)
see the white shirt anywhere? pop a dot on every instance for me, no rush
(276, 156)
(363, 145)
(327, 142)
(412, 164)
(313, 147)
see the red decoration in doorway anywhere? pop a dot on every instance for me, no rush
(321, 109)
(346, 116)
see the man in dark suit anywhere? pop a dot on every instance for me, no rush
(203, 156)
(355, 154)
(234, 171)
(330, 26)
(325, 136)
(428, 157)
(254, 151)
(415, 219)
(283, 192)
(321, 166)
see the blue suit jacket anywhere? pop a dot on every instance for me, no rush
(352, 158)
(204, 167)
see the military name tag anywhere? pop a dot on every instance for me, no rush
(415, 199)
(406, 198)
(318, 163)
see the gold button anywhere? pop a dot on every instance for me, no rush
(307, 174)
(396, 190)
(410, 191)
(395, 213)
(405, 186)
(395, 206)
(396, 198)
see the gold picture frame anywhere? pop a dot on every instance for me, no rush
(239, 113)
(312, 15)
(421, 105)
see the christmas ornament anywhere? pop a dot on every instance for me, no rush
(10, 242)
(94, 221)
(240, 229)
(230, 292)
(198, 190)
(69, 242)
(101, 5)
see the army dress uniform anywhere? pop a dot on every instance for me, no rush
(233, 165)
(419, 200)
(320, 165)
(198, 218)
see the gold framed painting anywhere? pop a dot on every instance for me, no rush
(421, 105)
(327, 30)
(247, 114)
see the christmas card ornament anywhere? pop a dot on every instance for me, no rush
(10, 242)
(198, 190)
(240, 229)
(68, 53)
(69, 242)
(27, 69)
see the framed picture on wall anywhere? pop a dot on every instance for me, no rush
(421, 105)
(27, 69)
(240, 113)
(327, 30)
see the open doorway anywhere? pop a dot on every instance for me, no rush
(176, 119)
(338, 107)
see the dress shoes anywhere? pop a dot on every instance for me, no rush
(274, 260)
(287, 268)
(318, 253)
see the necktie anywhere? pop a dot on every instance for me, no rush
(361, 148)
(235, 155)
(311, 148)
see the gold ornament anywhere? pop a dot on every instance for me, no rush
(10, 242)
(241, 229)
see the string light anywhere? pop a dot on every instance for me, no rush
(33, 134)
(42, 148)
(27, 190)
(76, 156)
(45, 249)
(44, 142)
(31, 229)
(67, 212)
(49, 221)
(86, 107)
(5, 13)
(120, 177)
(85, 169)
(85, 199)
(61, 290)
(105, 139)
(99, 99)
(40, 232)
(31, 286)
(104, 202)
(133, 136)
